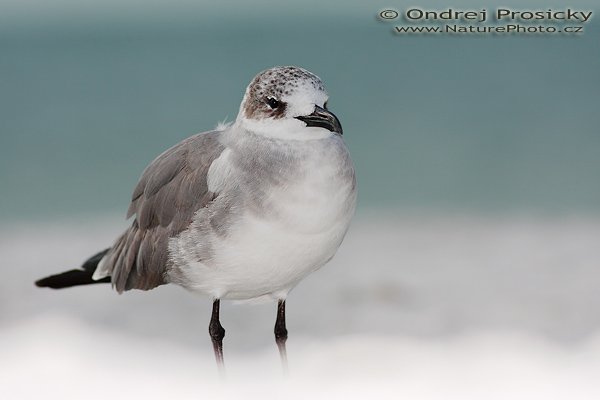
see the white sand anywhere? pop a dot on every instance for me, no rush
(59, 358)
(411, 308)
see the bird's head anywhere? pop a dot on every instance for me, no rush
(287, 103)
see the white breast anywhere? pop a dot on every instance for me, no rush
(267, 254)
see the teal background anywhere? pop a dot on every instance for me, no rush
(92, 92)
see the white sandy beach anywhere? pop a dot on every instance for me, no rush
(413, 308)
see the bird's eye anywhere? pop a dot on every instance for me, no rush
(272, 102)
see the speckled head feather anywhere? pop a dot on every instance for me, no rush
(271, 91)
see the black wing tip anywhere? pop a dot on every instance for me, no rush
(75, 277)
(71, 278)
(51, 282)
(42, 282)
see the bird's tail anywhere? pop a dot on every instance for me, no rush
(75, 277)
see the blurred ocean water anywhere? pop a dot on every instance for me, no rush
(480, 124)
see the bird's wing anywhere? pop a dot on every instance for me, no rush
(172, 188)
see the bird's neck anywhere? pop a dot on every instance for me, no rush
(284, 129)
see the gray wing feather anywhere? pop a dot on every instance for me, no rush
(171, 189)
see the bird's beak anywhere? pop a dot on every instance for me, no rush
(322, 119)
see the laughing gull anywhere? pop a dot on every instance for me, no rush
(242, 212)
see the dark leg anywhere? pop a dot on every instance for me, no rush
(217, 333)
(281, 334)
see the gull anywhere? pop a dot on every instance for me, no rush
(242, 212)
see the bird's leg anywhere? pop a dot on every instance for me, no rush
(281, 334)
(217, 333)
